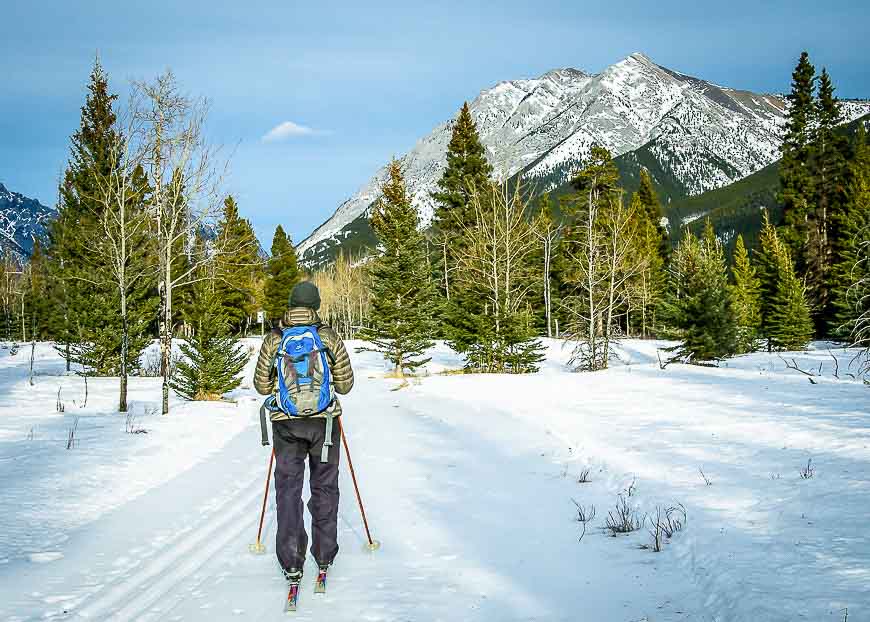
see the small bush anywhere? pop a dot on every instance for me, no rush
(584, 477)
(666, 523)
(584, 516)
(808, 471)
(71, 434)
(131, 426)
(623, 519)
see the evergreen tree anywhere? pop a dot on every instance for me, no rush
(745, 299)
(38, 304)
(282, 275)
(653, 209)
(766, 266)
(213, 360)
(402, 292)
(851, 226)
(789, 326)
(698, 304)
(238, 266)
(794, 173)
(828, 170)
(648, 284)
(85, 298)
(467, 173)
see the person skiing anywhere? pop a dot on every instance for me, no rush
(309, 434)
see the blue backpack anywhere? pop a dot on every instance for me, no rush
(304, 378)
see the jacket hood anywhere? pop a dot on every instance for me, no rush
(300, 316)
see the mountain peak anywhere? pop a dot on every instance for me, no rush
(697, 135)
(640, 56)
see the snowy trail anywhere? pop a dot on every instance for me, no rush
(469, 529)
(468, 483)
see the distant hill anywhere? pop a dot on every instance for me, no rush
(21, 220)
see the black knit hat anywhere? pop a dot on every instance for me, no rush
(305, 294)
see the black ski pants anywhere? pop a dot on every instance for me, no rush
(295, 441)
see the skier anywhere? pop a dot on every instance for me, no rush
(296, 438)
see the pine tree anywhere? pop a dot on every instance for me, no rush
(238, 266)
(213, 360)
(794, 174)
(402, 291)
(85, 296)
(828, 171)
(698, 304)
(282, 275)
(789, 326)
(653, 209)
(466, 174)
(649, 283)
(766, 267)
(38, 304)
(851, 226)
(745, 299)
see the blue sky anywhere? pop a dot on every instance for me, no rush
(354, 83)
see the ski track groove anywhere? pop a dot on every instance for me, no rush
(169, 567)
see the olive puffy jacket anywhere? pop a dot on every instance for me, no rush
(265, 378)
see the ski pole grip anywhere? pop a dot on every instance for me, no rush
(264, 430)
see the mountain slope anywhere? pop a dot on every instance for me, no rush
(692, 135)
(21, 220)
(737, 208)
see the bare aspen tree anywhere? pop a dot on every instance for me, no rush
(344, 294)
(586, 253)
(623, 263)
(122, 224)
(495, 260)
(860, 293)
(185, 192)
(548, 232)
(600, 250)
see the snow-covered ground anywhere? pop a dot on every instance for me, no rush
(469, 483)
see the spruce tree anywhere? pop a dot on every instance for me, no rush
(794, 173)
(789, 326)
(649, 283)
(238, 266)
(851, 226)
(402, 291)
(85, 295)
(828, 170)
(213, 360)
(767, 269)
(467, 173)
(38, 303)
(745, 299)
(282, 275)
(653, 209)
(698, 304)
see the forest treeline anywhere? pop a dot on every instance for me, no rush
(146, 246)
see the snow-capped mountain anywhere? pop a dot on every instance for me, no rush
(698, 135)
(21, 219)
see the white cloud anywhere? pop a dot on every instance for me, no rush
(288, 129)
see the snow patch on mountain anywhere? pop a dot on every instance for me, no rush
(707, 135)
(21, 220)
